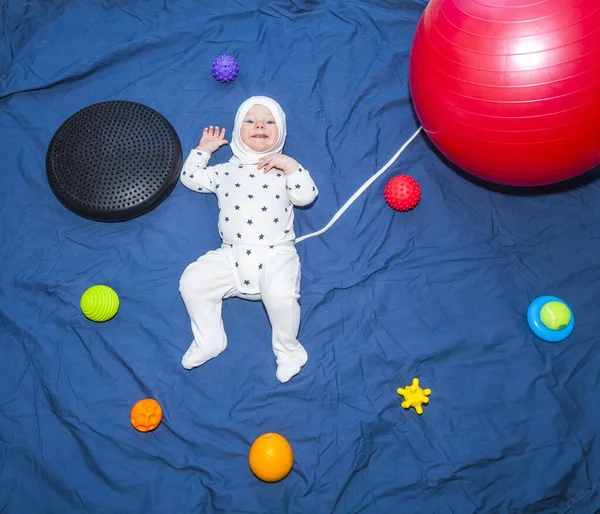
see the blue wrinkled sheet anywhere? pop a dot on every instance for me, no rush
(439, 293)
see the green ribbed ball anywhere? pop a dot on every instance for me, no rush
(99, 303)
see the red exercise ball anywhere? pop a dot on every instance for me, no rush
(509, 90)
(402, 193)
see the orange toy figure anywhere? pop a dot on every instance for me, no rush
(146, 415)
(271, 457)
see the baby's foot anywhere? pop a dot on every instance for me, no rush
(197, 355)
(290, 368)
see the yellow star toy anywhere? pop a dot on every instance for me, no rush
(414, 396)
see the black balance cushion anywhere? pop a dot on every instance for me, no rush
(114, 161)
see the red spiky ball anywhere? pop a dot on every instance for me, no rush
(402, 193)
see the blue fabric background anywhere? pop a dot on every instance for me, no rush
(438, 293)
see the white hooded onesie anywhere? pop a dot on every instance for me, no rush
(258, 259)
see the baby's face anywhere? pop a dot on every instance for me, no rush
(259, 131)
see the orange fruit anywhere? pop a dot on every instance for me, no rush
(146, 415)
(271, 457)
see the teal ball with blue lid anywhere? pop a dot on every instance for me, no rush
(550, 318)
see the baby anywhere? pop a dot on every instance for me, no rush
(257, 191)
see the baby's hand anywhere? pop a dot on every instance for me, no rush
(279, 161)
(211, 140)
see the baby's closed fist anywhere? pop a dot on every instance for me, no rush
(212, 139)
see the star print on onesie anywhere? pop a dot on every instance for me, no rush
(255, 209)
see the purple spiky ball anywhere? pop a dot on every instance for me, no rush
(225, 68)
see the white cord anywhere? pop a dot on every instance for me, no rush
(361, 190)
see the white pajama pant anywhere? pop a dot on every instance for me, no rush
(271, 274)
